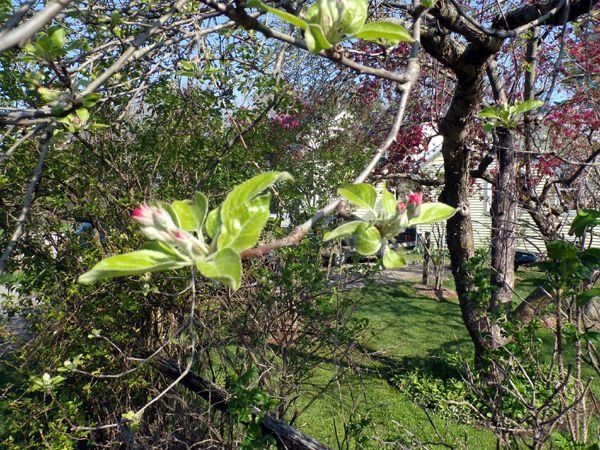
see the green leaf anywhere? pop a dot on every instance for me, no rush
(586, 218)
(389, 31)
(83, 114)
(488, 127)
(191, 214)
(224, 266)
(90, 99)
(319, 41)
(134, 263)
(346, 229)
(362, 195)
(431, 213)
(428, 3)
(587, 296)
(49, 95)
(241, 230)
(248, 190)
(527, 106)
(213, 222)
(389, 203)
(393, 259)
(489, 112)
(290, 18)
(591, 257)
(58, 39)
(368, 240)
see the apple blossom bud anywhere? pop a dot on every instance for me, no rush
(415, 199)
(143, 215)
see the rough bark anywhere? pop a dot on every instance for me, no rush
(504, 223)
(470, 71)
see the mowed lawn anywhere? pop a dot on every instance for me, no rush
(405, 326)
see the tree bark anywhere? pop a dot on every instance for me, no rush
(504, 223)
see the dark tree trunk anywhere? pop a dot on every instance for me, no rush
(504, 223)
(459, 229)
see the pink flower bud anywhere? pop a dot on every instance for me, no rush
(401, 207)
(415, 199)
(143, 215)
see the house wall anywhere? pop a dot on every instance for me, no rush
(529, 238)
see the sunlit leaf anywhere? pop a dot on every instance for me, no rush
(362, 195)
(431, 213)
(388, 31)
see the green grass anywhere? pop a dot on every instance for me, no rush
(406, 327)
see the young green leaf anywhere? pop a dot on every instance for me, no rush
(248, 190)
(389, 203)
(388, 31)
(527, 105)
(241, 230)
(346, 229)
(368, 240)
(191, 214)
(362, 195)
(393, 259)
(213, 222)
(489, 112)
(134, 263)
(315, 39)
(224, 266)
(431, 213)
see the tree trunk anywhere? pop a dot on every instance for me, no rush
(459, 229)
(504, 223)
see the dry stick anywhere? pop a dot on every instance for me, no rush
(20, 35)
(43, 115)
(294, 238)
(506, 33)
(27, 203)
(16, 18)
(247, 21)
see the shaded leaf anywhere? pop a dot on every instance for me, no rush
(224, 266)
(346, 229)
(368, 240)
(134, 263)
(393, 259)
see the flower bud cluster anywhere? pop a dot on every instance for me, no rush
(158, 225)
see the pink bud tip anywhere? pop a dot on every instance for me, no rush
(179, 235)
(401, 206)
(415, 198)
(141, 211)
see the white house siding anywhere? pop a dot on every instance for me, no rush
(529, 238)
